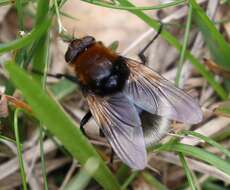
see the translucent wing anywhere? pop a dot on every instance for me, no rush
(120, 123)
(153, 93)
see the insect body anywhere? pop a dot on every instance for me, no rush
(116, 87)
(98, 69)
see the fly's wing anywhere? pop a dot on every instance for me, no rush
(120, 123)
(153, 93)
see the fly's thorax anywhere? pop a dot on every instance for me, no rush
(95, 60)
(98, 68)
(110, 81)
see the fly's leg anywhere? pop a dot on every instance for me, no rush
(58, 76)
(141, 54)
(84, 120)
(68, 77)
(111, 156)
(101, 134)
(112, 152)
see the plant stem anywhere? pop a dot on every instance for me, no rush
(156, 7)
(184, 46)
(187, 171)
(19, 150)
(129, 180)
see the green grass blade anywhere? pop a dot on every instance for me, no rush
(174, 42)
(208, 140)
(224, 110)
(60, 27)
(5, 2)
(151, 180)
(43, 166)
(114, 45)
(184, 46)
(59, 124)
(19, 150)
(80, 181)
(123, 173)
(42, 11)
(197, 153)
(156, 7)
(40, 63)
(40, 59)
(129, 180)
(3, 138)
(187, 171)
(21, 54)
(20, 9)
(27, 39)
(68, 16)
(216, 43)
(213, 186)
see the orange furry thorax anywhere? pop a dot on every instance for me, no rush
(89, 60)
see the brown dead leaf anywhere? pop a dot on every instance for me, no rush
(212, 66)
(140, 184)
(18, 103)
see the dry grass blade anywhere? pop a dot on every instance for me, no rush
(196, 166)
(208, 129)
(11, 166)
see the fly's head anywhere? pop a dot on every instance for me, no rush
(77, 46)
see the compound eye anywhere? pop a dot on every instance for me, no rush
(88, 40)
(75, 47)
(70, 55)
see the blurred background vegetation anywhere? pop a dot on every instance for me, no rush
(43, 148)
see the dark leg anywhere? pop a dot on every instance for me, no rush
(141, 54)
(101, 133)
(84, 120)
(112, 152)
(68, 77)
(59, 76)
(111, 156)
